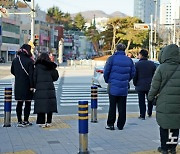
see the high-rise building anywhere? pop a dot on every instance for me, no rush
(143, 9)
(169, 11)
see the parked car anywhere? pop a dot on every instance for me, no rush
(98, 78)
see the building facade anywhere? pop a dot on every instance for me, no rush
(143, 9)
(169, 12)
(10, 38)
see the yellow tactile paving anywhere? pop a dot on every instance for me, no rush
(22, 152)
(57, 123)
(155, 151)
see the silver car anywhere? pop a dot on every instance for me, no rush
(98, 78)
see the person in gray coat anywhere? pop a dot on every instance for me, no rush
(45, 74)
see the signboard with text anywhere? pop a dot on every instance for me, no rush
(141, 26)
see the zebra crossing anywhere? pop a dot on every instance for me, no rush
(13, 105)
(71, 94)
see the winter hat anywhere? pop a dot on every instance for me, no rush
(144, 53)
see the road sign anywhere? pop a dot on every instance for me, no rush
(141, 26)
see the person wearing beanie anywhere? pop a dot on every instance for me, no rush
(142, 81)
(22, 68)
(118, 71)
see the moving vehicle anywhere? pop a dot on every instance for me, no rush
(98, 78)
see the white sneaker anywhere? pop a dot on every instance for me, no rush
(42, 125)
(48, 124)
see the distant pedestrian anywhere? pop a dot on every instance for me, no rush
(118, 71)
(166, 86)
(142, 81)
(45, 74)
(22, 68)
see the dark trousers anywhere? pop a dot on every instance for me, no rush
(120, 102)
(142, 104)
(27, 110)
(41, 118)
(164, 136)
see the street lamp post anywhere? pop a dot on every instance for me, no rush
(155, 28)
(32, 19)
(151, 38)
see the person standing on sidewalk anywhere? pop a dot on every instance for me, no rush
(166, 86)
(45, 74)
(22, 68)
(118, 71)
(142, 81)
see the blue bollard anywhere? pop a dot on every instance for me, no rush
(7, 107)
(94, 95)
(83, 127)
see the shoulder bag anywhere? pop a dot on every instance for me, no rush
(22, 65)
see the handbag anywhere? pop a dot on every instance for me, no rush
(156, 97)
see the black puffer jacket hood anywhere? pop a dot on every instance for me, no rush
(46, 64)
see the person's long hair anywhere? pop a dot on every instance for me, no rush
(44, 57)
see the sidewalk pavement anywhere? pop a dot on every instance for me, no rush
(138, 137)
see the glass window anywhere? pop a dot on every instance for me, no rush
(10, 40)
(10, 28)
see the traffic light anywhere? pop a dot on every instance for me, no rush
(36, 40)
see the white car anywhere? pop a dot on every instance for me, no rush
(98, 78)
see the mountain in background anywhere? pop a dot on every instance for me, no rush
(88, 15)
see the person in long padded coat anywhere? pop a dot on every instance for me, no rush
(166, 84)
(45, 74)
(22, 68)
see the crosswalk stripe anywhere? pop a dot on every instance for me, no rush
(100, 104)
(71, 94)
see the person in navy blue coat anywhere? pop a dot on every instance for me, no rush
(142, 81)
(118, 71)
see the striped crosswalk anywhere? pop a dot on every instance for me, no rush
(71, 94)
(13, 106)
(68, 96)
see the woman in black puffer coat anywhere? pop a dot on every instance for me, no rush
(45, 74)
(22, 68)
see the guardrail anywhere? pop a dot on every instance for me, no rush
(85, 62)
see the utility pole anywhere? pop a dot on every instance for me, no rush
(155, 27)
(32, 19)
(151, 37)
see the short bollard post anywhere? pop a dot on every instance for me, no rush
(94, 95)
(7, 107)
(83, 127)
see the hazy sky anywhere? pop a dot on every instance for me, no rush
(74, 6)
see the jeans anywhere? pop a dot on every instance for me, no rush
(120, 102)
(27, 110)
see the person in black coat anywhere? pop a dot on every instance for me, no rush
(22, 68)
(142, 81)
(45, 74)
